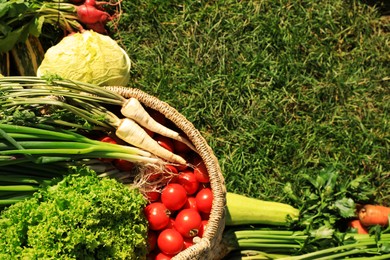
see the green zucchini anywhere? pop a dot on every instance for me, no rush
(242, 210)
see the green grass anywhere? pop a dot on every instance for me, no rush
(278, 88)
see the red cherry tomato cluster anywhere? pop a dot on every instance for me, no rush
(179, 203)
(178, 212)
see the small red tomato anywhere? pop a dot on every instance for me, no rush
(188, 222)
(162, 256)
(190, 204)
(188, 242)
(180, 147)
(108, 139)
(157, 215)
(188, 180)
(171, 169)
(171, 223)
(165, 142)
(203, 227)
(152, 196)
(204, 200)
(170, 241)
(159, 117)
(123, 165)
(205, 216)
(174, 196)
(149, 132)
(200, 172)
(152, 240)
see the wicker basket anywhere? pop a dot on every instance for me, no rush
(205, 247)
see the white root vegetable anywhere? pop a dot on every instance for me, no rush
(134, 110)
(129, 131)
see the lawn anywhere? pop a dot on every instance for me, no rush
(280, 89)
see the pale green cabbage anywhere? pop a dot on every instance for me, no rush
(88, 57)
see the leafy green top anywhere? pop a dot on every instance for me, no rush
(79, 217)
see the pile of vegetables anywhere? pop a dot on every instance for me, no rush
(106, 177)
(49, 125)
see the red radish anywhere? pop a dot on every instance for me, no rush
(88, 14)
(90, 2)
(371, 215)
(97, 27)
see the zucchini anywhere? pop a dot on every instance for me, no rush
(28, 56)
(242, 210)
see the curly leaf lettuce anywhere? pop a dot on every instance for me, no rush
(80, 217)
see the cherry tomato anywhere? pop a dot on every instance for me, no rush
(157, 215)
(171, 223)
(108, 139)
(152, 240)
(188, 242)
(203, 227)
(123, 165)
(204, 200)
(159, 117)
(171, 169)
(188, 180)
(152, 196)
(180, 147)
(165, 142)
(190, 204)
(174, 196)
(205, 216)
(149, 132)
(188, 222)
(200, 172)
(170, 241)
(162, 256)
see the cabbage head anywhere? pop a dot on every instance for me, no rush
(88, 57)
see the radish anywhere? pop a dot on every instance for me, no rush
(97, 27)
(88, 14)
